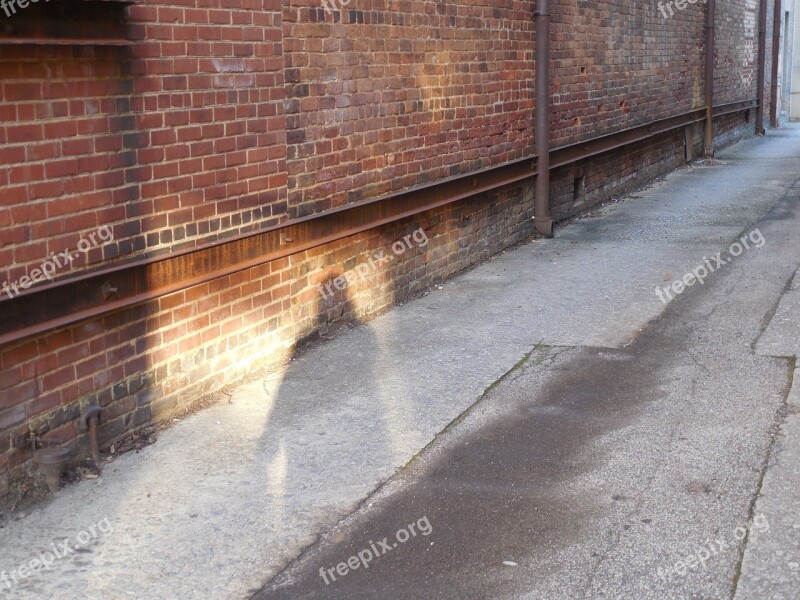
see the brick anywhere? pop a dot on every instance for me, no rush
(11, 417)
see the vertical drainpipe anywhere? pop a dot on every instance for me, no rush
(541, 208)
(708, 141)
(776, 51)
(762, 51)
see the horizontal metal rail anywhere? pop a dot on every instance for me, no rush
(109, 288)
(583, 150)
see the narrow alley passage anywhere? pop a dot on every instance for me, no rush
(624, 435)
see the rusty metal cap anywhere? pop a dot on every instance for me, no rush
(51, 456)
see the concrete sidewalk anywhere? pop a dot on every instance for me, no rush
(595, 472)
(771, 566)
(229, 497)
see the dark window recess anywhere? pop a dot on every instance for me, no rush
(63, 22)
(579, 190)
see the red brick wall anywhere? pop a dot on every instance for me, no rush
(179, 139)
(385, 95)
(736, 64)
(228, 115)
(619, 63)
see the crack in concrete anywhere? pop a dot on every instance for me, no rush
(780, 419)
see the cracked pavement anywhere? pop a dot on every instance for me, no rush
(601, 473)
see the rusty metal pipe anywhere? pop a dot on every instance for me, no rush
(71, 300)
(708, 140)
(776, 53)
(93, 444)
(762, 51)
(541, 208)
(88, 422)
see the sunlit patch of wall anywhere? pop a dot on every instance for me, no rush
(387, 95)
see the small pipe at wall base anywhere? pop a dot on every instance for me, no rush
(776, 52)
(88, 422)
(541, 208)
(708, 140)
(762, 51)
(47, 454)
